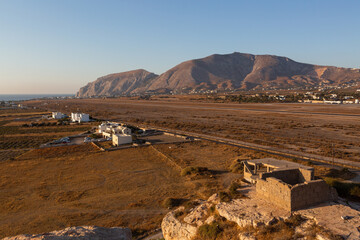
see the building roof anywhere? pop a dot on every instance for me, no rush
(278, 164)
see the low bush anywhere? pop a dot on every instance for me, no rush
(344, 189)
(171, 202)
(233, 189)
(209, 231)
(224, 197)
(193, 170)
(237, 166)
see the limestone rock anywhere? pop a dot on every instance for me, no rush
(215, 199)
(173, 229)
(197, 214)
(243, 214)
(82, 233)
(209, 220)
(246, 236)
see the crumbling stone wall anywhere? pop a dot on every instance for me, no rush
(311, 193)
(288, 176)
(275, 191)
(295, 197)
(306, 175)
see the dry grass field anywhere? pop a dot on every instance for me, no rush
(52, 188)
(16, 137)
(321, 129)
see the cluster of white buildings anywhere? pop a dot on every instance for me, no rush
(58, 115)
(75, 117)
(120, 134)
(80, 117)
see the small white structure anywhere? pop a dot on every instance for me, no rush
(80, 117)
(119, 139)
(106, 134)
(356, 101)
(122, 130)
(102, 127)
(57, 115)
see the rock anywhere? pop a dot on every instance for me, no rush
(272, 221)
(334, 222)
(197, 214)
(209, 220)
(246, 236)
(243, 214)
(82, 233)
(321, 237)
(215, 199)
(173, 229)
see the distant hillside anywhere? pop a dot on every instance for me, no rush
(224, 72)
(118, 84)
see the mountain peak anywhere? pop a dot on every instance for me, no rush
(223, 72)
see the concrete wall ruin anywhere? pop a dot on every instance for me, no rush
(311, 193)
(276, 187)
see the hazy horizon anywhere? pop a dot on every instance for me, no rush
(56, 47)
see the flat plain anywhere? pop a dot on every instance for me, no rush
(51, 188)
(328, 130)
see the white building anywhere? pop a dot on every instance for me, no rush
(106, 134)
(58, 115)
(102, 127)
(119, 139)
(80, 117)
(122, 130)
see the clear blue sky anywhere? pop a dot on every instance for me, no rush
(57, 46)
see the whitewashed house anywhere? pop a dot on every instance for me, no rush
(119, 139)
(102, 127)
(80, 117)
(122, 130)
(57, 115)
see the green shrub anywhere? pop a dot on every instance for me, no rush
(224, 197)
(355, 191)
(344, 189)
(233, 189)
(209, 231)
(193, 170)
(171, 202)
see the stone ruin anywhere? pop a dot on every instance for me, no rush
(289, 185)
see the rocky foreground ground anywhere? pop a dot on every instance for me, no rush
(249, 216)
(335, 220)
(82, 233)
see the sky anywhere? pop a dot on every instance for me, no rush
(58, 46)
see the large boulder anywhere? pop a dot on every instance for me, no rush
(174, 229)
(82, 233)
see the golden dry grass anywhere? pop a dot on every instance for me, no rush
(289, 126)
(52, 188)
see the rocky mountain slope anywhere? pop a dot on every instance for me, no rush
(118, 84)
(224, 72)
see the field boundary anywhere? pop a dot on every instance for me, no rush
(169, 159)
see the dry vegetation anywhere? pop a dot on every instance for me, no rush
(17, 137)
(289, 126)
(52, 188)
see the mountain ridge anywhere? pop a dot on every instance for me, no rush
(223, 72)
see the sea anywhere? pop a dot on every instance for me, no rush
(22, 97)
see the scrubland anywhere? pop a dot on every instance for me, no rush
(328, 130)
